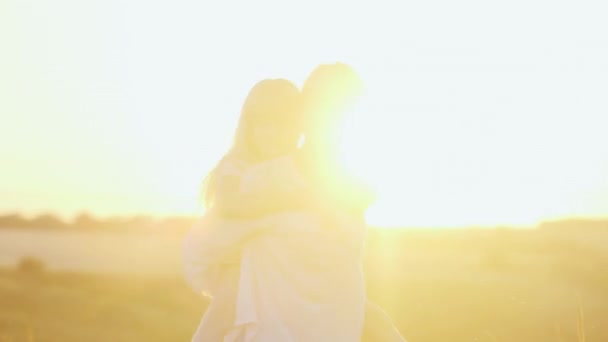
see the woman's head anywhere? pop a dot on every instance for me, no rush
(327, 95)
(329, 92)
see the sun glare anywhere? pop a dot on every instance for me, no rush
(434, 171)
(427, 168)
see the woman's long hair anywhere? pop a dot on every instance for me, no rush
(270, 100)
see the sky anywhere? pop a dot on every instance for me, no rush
(475, 112)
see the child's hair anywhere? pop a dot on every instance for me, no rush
(274, 101)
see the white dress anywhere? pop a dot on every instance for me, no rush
(301, 280)
(300, 285)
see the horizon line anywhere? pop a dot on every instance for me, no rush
(156, 216)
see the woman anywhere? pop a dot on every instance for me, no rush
(328, 94)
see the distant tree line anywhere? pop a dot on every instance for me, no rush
(87, 221)
(567, 225)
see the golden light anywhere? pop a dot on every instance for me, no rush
(433, 168)
(437, 170)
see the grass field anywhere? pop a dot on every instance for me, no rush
(460, 285)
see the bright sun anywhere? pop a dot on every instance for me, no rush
(438, 172)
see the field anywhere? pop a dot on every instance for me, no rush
(438, 285)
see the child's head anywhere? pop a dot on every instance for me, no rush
(269, 126)
(269, 123)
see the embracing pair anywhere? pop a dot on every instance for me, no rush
(279, 247)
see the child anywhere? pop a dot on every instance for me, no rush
(266, 133)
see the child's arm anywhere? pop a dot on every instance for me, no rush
(211, 245)
(232, 202)
(221, 312)
(280, 189)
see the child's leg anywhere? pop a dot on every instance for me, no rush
(378, 326)
(220, 315)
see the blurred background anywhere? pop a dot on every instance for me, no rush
(483, 131)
